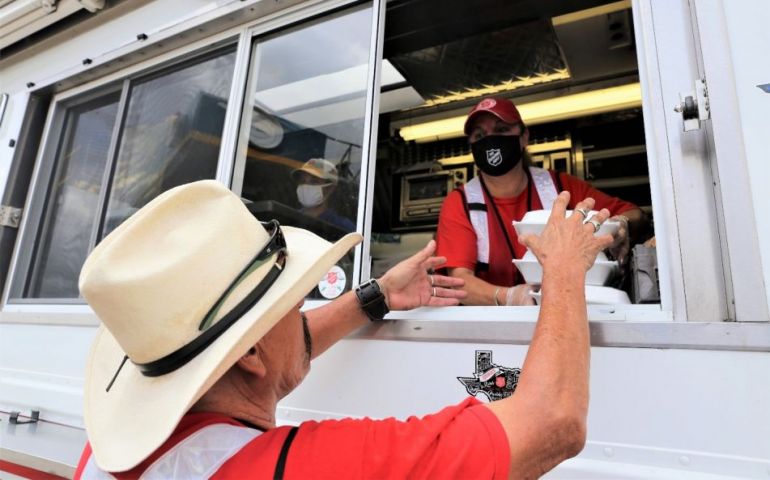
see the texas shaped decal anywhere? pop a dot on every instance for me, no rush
(494, 381)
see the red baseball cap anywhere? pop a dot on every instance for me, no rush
(502, 108)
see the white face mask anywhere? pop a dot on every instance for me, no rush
(310, 195)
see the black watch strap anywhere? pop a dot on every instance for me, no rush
(372, 300)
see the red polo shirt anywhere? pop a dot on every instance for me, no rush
(461, 441)
(456, 239)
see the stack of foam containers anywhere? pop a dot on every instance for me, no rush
(596, 277)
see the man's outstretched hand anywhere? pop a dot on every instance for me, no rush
(567, 242)
(408, 284)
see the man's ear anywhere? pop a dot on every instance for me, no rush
(251, 362)
(524, 138)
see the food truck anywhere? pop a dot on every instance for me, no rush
(105, 104)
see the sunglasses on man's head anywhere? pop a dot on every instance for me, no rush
(210, 331)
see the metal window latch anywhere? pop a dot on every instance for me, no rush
(33, 418)
(48, 6)
(694, 106)
(10, 216)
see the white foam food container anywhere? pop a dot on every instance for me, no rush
(599, 274)
(595, 295)
(535, 220)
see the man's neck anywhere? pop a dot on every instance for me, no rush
(509, 185)
(238, 400)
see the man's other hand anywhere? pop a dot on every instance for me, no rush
(408, 284)
(567, 241)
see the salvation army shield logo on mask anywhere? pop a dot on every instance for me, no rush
(494, 157)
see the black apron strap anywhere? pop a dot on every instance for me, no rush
(529, 189)
(491, 200)
(280, 466)
(559, 186)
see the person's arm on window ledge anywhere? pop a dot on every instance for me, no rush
(481, 292)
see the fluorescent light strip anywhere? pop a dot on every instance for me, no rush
(591, 12)
(510, 85)
(544, 111)
(549, 146)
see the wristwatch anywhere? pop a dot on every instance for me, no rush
(372, 300)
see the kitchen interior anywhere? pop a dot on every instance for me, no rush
(571, 68)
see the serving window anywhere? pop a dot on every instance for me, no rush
(571, 70)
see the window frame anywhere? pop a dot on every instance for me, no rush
(680, 320)
(662, 312)
(51, 159)
(368, 154)
(23, 261)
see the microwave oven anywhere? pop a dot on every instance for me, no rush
(423, 193)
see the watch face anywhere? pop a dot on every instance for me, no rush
(333, 283)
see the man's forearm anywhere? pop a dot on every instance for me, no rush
(405, 286)
(556, 368)
(545, 417)
(334, 321)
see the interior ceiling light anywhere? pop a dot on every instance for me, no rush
(591, 12)
(555, 109)
(513, 84)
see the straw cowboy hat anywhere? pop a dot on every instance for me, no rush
(184, 288)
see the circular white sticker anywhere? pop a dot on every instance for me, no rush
(333, 283)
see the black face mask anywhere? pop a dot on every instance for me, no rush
(496, 155)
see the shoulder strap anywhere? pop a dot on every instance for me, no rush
(477, 213)
(201, 454)
(474, 196)
(280, 466)
(500, 223)
(197, 456)
(544, 185)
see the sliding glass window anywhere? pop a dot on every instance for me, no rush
(65, 235)
(303, 127)
(112, 151)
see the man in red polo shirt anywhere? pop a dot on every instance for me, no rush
(202, 335)
(475, 229)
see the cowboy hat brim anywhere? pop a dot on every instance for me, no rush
(129, 422)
